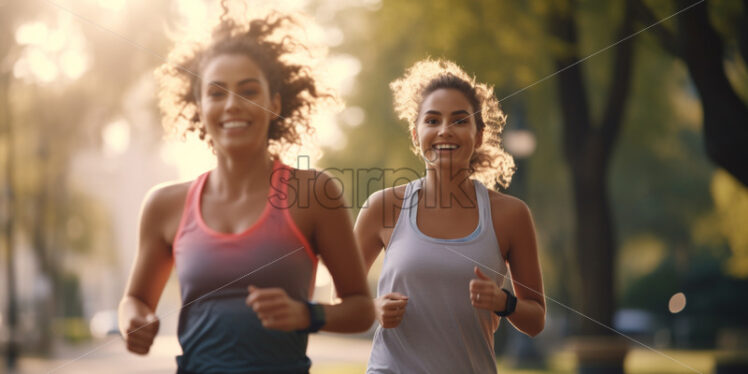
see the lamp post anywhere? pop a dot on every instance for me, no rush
(520, 142)
(11, 352)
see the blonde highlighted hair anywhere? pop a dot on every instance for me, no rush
(489, 164)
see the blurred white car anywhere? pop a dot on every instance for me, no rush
(104, 323)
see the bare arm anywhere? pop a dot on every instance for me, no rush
(333, 237)
(529, 314)
(527, 281)
(337, 247)
(389, 308)
(368, 228)
(153, 262)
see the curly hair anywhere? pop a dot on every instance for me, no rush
(489, 163)
(270, 43)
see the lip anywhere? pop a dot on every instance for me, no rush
(248, 122)
(433, 147)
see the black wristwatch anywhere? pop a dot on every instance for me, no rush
(316, 317)
(511, 304)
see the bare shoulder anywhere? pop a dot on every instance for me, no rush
(511, 216)
(505, 206)
(162, 209)
(318, 188)
(512, 222)
(384, 206)
(306, 173)
(166, 196)
(328, 190)
(390, 197)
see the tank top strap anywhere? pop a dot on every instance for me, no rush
(193, 196)
(410, 200)
(484, 206)
(279, 180)
(190, 205)
(408, 204)
(282, 202)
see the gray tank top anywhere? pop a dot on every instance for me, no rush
(441, 332)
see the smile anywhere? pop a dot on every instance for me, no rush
(234, 124)
(445, 147)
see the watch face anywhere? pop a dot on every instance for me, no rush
(318, 314)
(316, 317)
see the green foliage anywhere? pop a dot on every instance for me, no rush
(73, 330)
(730, 217)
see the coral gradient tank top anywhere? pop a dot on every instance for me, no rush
(218, 332)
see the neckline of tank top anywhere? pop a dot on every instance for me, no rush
(263, 215)
(413, 215)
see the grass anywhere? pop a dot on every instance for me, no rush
(638, 361)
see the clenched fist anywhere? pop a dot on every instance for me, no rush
(390, 309)
(276, 310)
(140, 332)
(485, 293)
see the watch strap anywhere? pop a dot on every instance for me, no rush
(316, 317)
(511, 304)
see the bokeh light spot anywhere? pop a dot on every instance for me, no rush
(677, 303)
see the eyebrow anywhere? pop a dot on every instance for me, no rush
(456, 112)
(241, 82)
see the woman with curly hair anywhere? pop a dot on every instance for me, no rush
(448, 239)
(245, 252)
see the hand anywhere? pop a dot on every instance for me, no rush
(390, 309)
(276, 310)
(485, 293)
(140, 333)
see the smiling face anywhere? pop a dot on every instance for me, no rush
(236, 105)
(445, 130)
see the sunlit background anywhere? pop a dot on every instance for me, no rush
(82, 143)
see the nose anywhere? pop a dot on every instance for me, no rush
(233, 102)
(445, 128)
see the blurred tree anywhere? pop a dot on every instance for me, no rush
(730, 216)
(60, 117)
(698, 43)
(9, 50)
(588, 149)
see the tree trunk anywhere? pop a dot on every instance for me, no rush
(588, 150)
(594, 238)
(725, 114)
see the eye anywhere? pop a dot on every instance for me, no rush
(462, 121)
(216, 93)
(249, 92)
(431, 121)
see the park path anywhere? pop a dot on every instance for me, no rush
(329, 354)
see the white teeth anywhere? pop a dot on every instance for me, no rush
(234, 124)
(446, 146)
